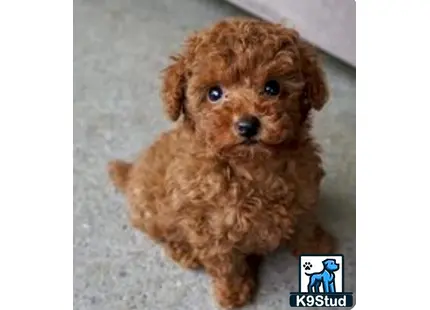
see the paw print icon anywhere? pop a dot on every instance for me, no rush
(307, 265)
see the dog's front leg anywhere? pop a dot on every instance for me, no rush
(326, 286)
(232, 278)
(332, 287)
(311, 238)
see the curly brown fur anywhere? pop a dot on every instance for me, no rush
(209, 198)
(118, 172)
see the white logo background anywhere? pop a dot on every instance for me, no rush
(317, 266)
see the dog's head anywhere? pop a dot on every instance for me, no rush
(245, 86)
(330, 265)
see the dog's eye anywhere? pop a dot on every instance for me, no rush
(272, 88)
(215, 94)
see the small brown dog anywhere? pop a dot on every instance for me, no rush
(240, 174)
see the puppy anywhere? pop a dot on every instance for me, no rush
(239, 175)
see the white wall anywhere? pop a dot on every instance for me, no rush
(329, 24)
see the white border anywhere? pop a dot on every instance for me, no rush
(36, 156)
(393, 115)
(36, 114)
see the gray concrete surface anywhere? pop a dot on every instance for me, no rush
(119, 48)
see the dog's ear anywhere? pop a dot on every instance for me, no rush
(175, 80)
(173, 88)
(315, 91)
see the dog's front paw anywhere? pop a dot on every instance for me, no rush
(317, 241)
(233, 293)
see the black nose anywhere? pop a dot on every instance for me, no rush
(248, 126)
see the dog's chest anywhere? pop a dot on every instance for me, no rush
(257, 212)
(261, 187)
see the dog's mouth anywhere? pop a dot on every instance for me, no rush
(249, 142)
(256, 142)
(248, 148)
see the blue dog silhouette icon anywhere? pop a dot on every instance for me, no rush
(324, 277)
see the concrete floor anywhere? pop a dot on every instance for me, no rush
(120, 46)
